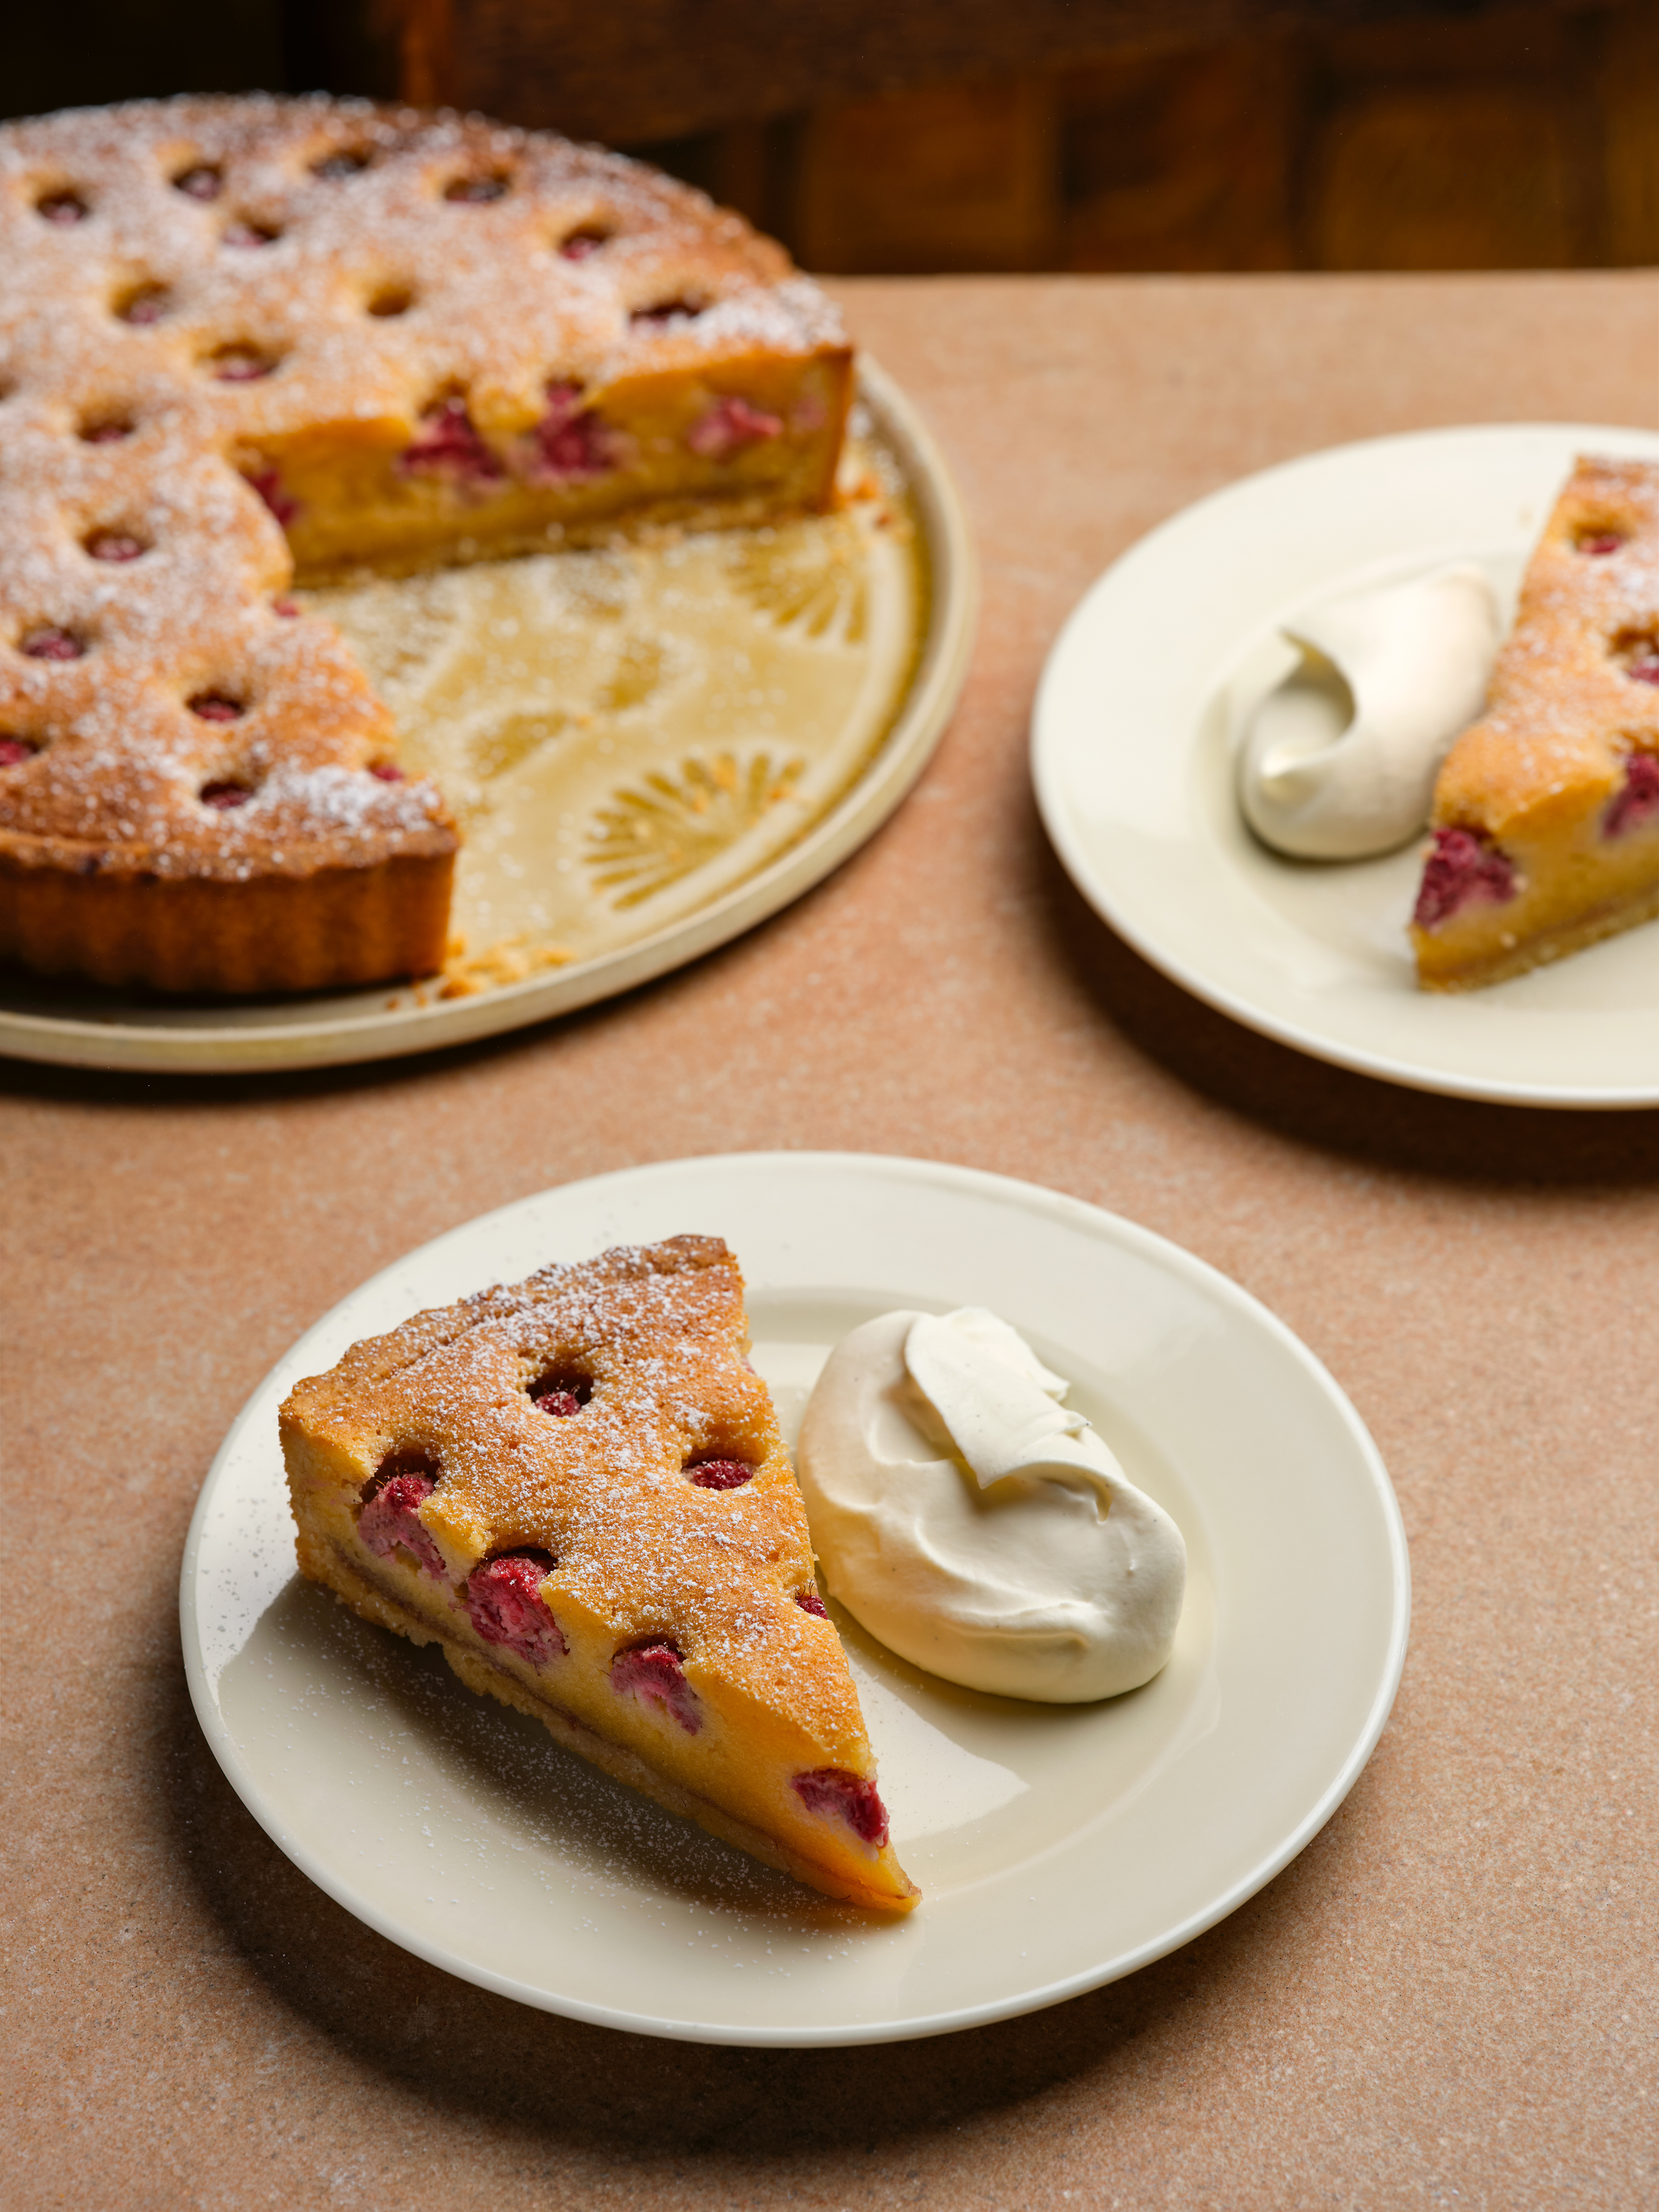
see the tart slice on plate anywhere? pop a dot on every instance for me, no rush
(577, 1485)
(1546, 811)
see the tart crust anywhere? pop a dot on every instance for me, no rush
(660, 1521)
(336, 926)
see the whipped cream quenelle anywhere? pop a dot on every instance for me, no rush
(976, 1526)
(1342, 756)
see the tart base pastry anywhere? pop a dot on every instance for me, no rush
(246, 343)
(1546, 824)
(576, 1486)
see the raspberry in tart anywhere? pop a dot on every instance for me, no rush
(1546, 827)
(250, 342)
(577, 1487)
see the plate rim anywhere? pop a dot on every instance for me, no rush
(1079, 1213)
(1047, 747)
(361, 1038)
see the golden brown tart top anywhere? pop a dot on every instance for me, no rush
(1575, 690)
(189, 283)
(668, 1503)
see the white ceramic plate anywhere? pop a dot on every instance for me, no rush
(651, 750)
(1132, 762)
(1057, 1847)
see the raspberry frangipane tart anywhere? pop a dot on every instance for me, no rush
(1546, 811)
(576, 1485)
(245, 342)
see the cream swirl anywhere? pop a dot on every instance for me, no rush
(973, 1524)
(1341, 756)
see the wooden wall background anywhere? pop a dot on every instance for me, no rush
(1527, 138)
(901, 136)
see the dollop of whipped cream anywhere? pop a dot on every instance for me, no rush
(973, 1524)
(1340, 757)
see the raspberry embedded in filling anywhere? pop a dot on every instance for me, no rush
(203, 182)
(1464, 868)
(665, 312)
(810, 1601)
(390, 1520)
(247, 236)
(63, 208)
(730, 425)
(147, 305)
(106, 434)
(115, 546)
(284, 606)
(837, 1789)
(1600, 541)
(475, 191)
(503, 1602)
(14, 751)
(240, 365)
(719, 1473)
(653, 1674)
(383, 771)
(51, 643)
(580, 244)
(572, 441)
(450, 446)
(347, 162)
(1644, 669)
(561, 1393)
(216, 707)
(224, 796)
(268, 482)
(1636, 801)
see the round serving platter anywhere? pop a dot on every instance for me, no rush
(1134, 737)
(1056, 1847)
(650, 750)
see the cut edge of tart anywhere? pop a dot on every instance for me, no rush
(1545, 834)
(576, 1486)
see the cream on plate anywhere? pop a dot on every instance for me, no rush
(1339, 759)
(977, 1526)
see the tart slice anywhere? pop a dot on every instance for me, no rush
(577, 1485)
(1546, 811)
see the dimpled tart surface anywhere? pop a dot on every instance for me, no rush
(577, 1485)
(247, 342)
(1546, 825)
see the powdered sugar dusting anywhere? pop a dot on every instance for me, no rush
(340, 249)
(661, 1331)
(1566, 706)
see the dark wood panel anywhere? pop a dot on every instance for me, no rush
(106, 49)
(661, 68)
(1335, 136)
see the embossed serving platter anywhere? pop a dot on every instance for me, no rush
(650, 748)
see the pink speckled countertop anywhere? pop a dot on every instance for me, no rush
(1449, 1998)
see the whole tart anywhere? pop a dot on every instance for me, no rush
(577, 1487)
(1545, 824)
(255, 342)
